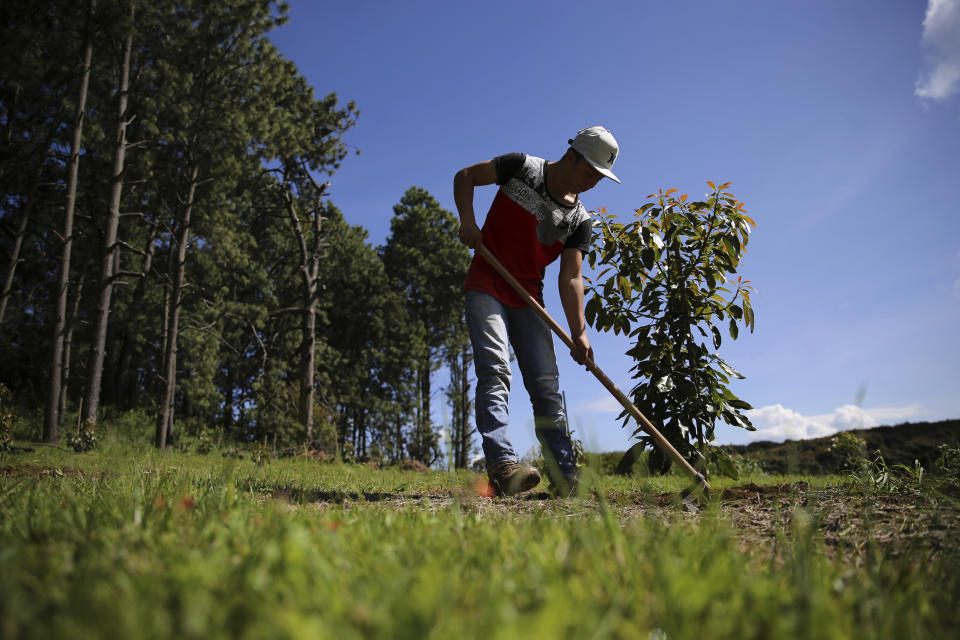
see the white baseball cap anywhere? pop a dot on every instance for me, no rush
(599, 147)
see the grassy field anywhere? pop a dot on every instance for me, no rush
(133, 543)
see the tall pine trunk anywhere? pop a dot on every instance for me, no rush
(459, 362)
(68, 345)
(52, 416)
(398, 450)
(165, 420)
(426, 425)
(15, 250)
(310, 254)
(124, 385)
(91, 400)
(26, 211)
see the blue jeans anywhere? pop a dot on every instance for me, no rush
(492, 324)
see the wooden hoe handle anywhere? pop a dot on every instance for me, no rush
(645, 424)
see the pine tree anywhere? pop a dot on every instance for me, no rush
(428, 264)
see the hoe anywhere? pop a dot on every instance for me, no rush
(645, 424)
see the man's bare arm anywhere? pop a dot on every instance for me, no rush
(464, 181)
(570, 285)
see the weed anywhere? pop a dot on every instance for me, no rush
(876, 477)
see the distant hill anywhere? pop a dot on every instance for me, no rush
(900, 444)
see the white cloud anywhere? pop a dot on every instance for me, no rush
(892, 415)
(941, 38)
(776, 422)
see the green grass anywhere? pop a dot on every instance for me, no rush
(125, 543)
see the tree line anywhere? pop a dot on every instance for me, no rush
(168, 240)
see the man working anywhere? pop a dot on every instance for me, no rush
(535, 218)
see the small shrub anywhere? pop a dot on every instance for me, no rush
(578, 453)
(135, 427)
(947, 466)
(205, 441)
(731, 464)
(414, 465)
(846, 451)
(260, 454)
(377, 456)
(312, 450)
(233, 452)
(85, 439)
(948, 462)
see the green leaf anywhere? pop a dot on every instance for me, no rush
(730, 370)
(716, 337)
(687, 389)
(656, 240)
(734, 330)
(664, 384)
(640, 351)
(590, 310)
(735, 241)
(648, 257)
(725, 464)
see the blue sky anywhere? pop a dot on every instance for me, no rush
(838, 124)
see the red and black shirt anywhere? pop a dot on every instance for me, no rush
(526, 229)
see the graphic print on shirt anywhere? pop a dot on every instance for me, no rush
(555, 222)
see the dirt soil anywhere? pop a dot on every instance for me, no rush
(29, 471)
(849, 525)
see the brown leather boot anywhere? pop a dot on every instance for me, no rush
(510, 478)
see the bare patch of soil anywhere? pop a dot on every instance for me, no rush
(29, 471)
(848, 524)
